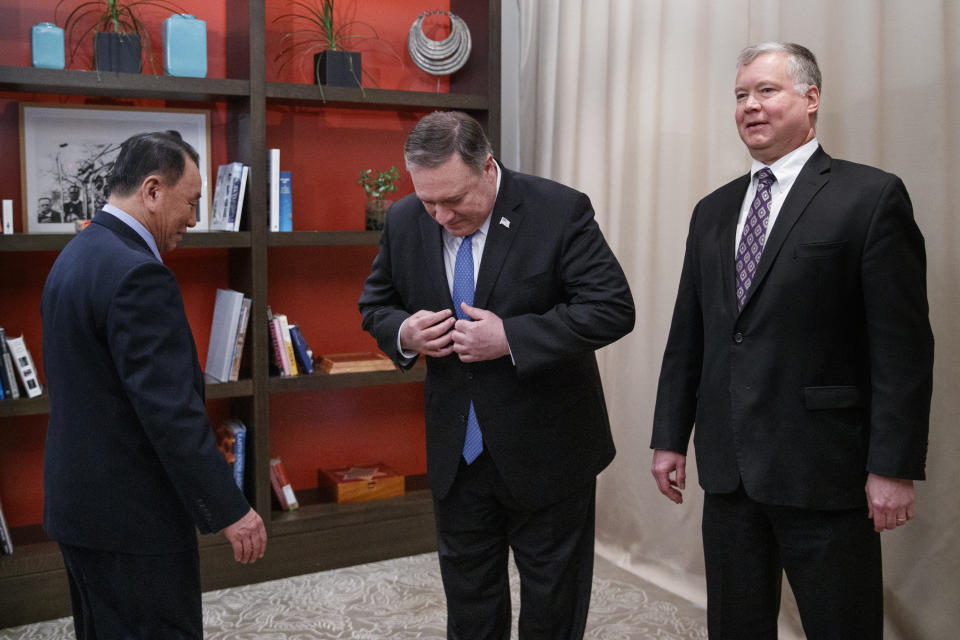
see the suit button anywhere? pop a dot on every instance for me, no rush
(470, 376)
(738, 337)
(463, 418)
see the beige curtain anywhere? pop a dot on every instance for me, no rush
(632, 102)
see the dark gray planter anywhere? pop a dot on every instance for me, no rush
(115, 52)
(337, 68)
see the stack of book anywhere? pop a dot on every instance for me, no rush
(290, 353)
(16, 362)
(228, 332)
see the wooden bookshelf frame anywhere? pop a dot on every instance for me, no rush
(33, 584)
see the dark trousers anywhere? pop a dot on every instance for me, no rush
(121, 596)
(477, 523)
(831, 558)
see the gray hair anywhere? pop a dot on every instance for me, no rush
(436, 137)
(801, 63)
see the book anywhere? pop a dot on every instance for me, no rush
(356, 362)
(9, 376)
(10, 389)
(279, 347)
(288, 345)
(223, 334)
(242, 324)
(6, 542)
(301, 349)
(286, 201)
(218, 214)
(281, 486)
(231, 436)
(24, 365)
(234, 175)
(8, 216)
(236, 215)
(273, 182)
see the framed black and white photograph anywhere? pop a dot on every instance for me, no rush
(66, 153)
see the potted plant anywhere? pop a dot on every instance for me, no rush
(328, 35)
(376, 183)
(119, 34)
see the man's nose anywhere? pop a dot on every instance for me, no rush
(443, 214)
(751, 103)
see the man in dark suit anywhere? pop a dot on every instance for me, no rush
(801, 348)
(517, 428)
(131, 469)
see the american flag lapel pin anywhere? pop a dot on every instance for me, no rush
(505, 222)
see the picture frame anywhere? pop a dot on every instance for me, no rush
(66, 152)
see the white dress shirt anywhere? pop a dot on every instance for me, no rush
(786, 170)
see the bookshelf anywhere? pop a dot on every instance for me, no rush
(318, 536)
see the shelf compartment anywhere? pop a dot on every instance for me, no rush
(323, 238)
(322, 380)
(306, 94)
(314, 515)
(57, 241)
(121, 85)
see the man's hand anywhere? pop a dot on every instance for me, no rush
(428, 333)
(248, 537)
(481, 338)
(890, 501)
(667, 462)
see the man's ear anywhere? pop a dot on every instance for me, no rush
(150, 191)
(813, 99)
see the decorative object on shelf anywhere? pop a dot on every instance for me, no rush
(119, 35)
(185, 46)
(440, 57)
(359, 484)
(46, 46)
(359, 362)
(67, 151)
(332, 65)
(376, 183)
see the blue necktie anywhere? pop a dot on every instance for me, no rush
(463, 292)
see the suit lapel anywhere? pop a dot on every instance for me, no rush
(505, 221)
(810, 180)
(121, 228)
(436, 273)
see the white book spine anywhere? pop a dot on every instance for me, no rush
(24, 365)
(274, 167)
(8, 216)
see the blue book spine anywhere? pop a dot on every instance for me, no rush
(286, 202)
(300, 347)
(239, 454)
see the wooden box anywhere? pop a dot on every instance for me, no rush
(357, 484)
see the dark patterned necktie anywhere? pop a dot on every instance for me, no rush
(463, 288)
(754, 235)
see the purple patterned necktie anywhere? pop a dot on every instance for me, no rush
(754, 235)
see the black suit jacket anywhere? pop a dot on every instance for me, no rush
(825, 375)
(548, 273)
(130, 461)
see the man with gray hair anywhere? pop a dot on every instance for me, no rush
(801, 349)
(505, 284)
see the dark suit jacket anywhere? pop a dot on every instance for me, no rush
(548, 273)
(826, 373)
(130, 460)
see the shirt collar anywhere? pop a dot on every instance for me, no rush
(136, 225)
(787, 168)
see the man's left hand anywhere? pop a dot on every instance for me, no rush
(481, 338)
(890, 501)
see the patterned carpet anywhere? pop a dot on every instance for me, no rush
(402, 599)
